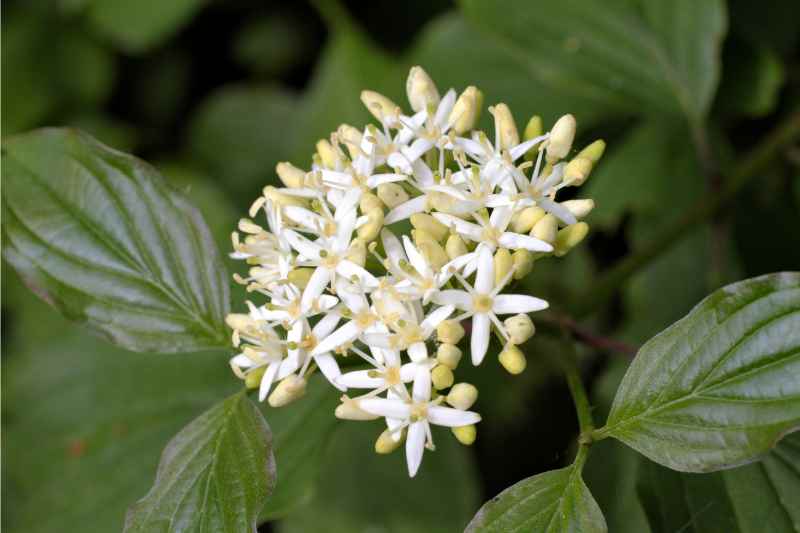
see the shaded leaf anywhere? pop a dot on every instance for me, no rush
(101, 237)
(751, 88)
(718, 388)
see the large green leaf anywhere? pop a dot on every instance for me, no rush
(719, 387)
(625, 56)
(101, 237)
(214, 475)
(550, 502)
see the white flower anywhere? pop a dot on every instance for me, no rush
(301, 341)
(410, 334)
(492, 232)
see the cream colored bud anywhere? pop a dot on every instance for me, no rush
(421, 90)
(523, 263)
(455, 246)
(351, 138)
(512, 359)
(300, 276)
(392, 194)
(577, 171)
(369, 201)
(430, 225)
(386, 444)
(449, 355)
(370, 230)
(350, 410)
(450, 331)
(329, 156)
(462, 396)
(248, 226)
(579, 208)
(290, 175)
(238, 321)
(520, 328)
(465, 434)
(466, 110)
(534, 128)
(278, 198)
(252, 379)
(357, 253)
(419, 236)
(504, 126)
(570, 237)
(381, 107)
(503, 262)
(561, 137)
(442, 377)
(594, 151)
(523, 221)
(546, 229)
(434, 253)
(289, 389)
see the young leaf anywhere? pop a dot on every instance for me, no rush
(100, 236)
(719, 387)
(214, 475)
(551, 502)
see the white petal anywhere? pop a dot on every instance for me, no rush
(416, 258)
(327, 364)
(484, 279)
(557, 209)
(379, 179)
(479, 342)
(447, 416)
(468, 229)
(434, 318)
(348, 203)
(343, 335)
(379, 340)
(289, 365)
(520, 149)
(417, 352)
(242, 361)
(392, 247)
(460, 299)
(317, 283)
(304, 247)
(348, 269)
(507, 304)
(444, 109)
(385, 407)
(326, 324)
(304, 217)
(405, 210)
(422, 384)
(515, 241)
(360, 379)
(352, 297)
(415, 446)
(409, 370)
(326, 301)
(391, 358)
(267, 379)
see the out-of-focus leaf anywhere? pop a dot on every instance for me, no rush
(751, 85)
(272, 45)
(139, 26)
(362, 491)
(240, 133)
(556, 501)
(101, 237)
(718, 388)
(771, 22)
(214, 475)
(625, 57)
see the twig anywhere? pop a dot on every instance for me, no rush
(586, 336)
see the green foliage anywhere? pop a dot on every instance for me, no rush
(719, 387)
(102, 238)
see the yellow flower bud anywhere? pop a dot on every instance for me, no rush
(466, 110)
(442, 377)
(329, 156)
(442, 202)
(520, 328)
(369, 231)
(238, 321)
(577, 171)
(386, 444)
(369, 201)
(512, 359)
(434, 253)
(430, 225)
(300, 276)
(349, 409)
(357, 252)
(455, 246)
(351, 138)
(420, 89)
(523, 221)
(579, 208)
(561, 137)
(502, 265)
(570, 237)
(290, 175)
(546, 229)
(533, 128)
(462, 396)
(504, 126)
(392, 194)
(278, 198)
(449, 331)
(381, 107)
(523, 263)
(252, 379)
(419, 236)
(594, 151)
(465, 434)
(449, 355)
(288, 390)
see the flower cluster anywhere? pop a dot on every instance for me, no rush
(399, 237)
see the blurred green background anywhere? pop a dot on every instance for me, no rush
(214, 93)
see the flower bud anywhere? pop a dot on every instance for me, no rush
(239, 321)
(433, 253)
(281, 199)
(465, 434)
(357, 253)
(300, 276)
(369, 201)
(579, 208)
(577, 171)
(370, 230)
(561, 137)
(594, 151)
(466, 110)
(504, 126)
(381, 107)
(252, 379)
(448, 355)
(392, 194)
(290, 388)
(462, 396)
(386, 444)
(248, 226)
(329, 156)
(533, 128)
(523, 221)
(570, 237)
(520, 328)
(546, 229)
(442, 377)
(523, 263)
(421, 90)
(349, 409)
(455, 246)
(449, 331)
(430, 225)
(350, 137)
(512, 359)
(503, 262)
(290, 175)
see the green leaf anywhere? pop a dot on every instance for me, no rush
(626, 57)
(214, 475)
(550, 502)
(101, 237)
(139, 26)
(717, 388)
(751, 88)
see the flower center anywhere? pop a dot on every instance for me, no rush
(392, 375)
(482, 303)
(364, 319)
(419, 411)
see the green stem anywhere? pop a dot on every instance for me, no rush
(577, 390)
(701, 211)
